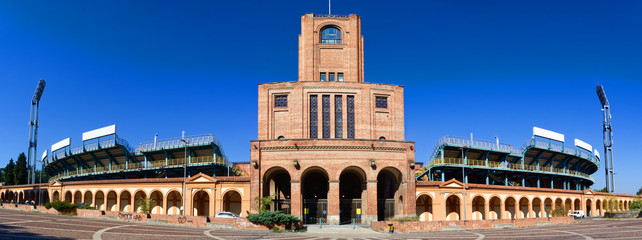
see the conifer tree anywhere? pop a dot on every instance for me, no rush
(20, 171)
(8, 173)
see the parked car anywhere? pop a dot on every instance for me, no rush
(577, 214)
(226, 215)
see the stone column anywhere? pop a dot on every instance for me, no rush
(542, 208)
(531, 214)
(333, 202)
(502, 209)
(486, 210)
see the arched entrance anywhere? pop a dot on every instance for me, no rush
(21, 197)
(201, 204)
(567, 205)
(424, 208)
(479, 208)
(548, 207)
(88, 199)
(537, 207)
(352, 190)
(137, 198)
(77, 197)
(56, 196)
(174, 202)
(598, 207)
(125, 202)
(68, 197)
(452, 208)
(577, 205)
(232, 202)
(509, 210)
(494, 208)
(523, 208)
(589, 209)
(277, 184)
(157, 202)
(388, 181)
(314, 188)
(100, 200)
(112, 200)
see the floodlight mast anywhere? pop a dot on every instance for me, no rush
(33, 133)
(608, 138)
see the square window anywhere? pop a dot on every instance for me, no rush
(340, 77)
(281, 101)
(322, 77)
(331, 78)
(382, 102)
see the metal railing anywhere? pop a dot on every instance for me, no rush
(177, 142)
(480, 143)
(560, 147)
(91, 145)
(330, 16)
(146, 165)
(504, 165)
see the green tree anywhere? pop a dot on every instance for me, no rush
(1, 174)
(639, 191)
(601, 190)
(20, 171)
(146, 204)
(8, 173)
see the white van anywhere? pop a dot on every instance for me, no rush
(577, 214)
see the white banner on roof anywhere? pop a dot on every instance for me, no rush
(597, 154)
(44, 155)
(583, 145)
(65, 142)
(540, 132)
(109, 130)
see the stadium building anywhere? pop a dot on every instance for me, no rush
(330, 147)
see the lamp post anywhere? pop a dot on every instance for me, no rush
(463, 179)
(185, 142)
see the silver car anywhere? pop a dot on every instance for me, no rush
(226, 215)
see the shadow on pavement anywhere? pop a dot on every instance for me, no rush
(16, 232)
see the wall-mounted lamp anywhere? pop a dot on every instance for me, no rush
(412, 164)
(296, 163)
(255, 164)
(372, 163)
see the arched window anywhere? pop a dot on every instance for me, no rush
(331, 35)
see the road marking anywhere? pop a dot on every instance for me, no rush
(479, 235)
(574, 233)
(207, 233)
(97, 234)
(25, 221)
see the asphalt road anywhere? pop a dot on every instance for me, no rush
(16, 224)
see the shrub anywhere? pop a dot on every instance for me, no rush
(145, 204)
(405, 219)
(560, 212)
(86, 207)
(48, 205)
(62, 206)
(269, 218)
(636, 204)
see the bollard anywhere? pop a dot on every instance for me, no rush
(353, 224)
(320, 225)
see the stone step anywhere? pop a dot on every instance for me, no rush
(453, 228)
(505, 225)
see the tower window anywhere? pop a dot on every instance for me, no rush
(338, 116)
(331, 35)
(281, 101)
(350, 115)
(314, 124)
(331, 79)
(325, 115)
(382, 102)
(340, 77)
(322, 77)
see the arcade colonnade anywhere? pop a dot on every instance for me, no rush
(442, 201)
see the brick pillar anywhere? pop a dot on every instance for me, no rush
(502, 211)
(333, 202)
(370, 210)
(486, 210)
(542, 208)
(530, 210)
(295, 190)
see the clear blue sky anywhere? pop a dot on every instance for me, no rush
(494, 68)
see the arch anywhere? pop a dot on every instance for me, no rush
(424, 207)
(479, 208)
(277, 183)
(567, 206)
(55, 196)
(68, 196)
(577, 205)
(2, 196)
(232, 202)
(452, 207)
(88, 199)
(21, 197)
(598, 207)
(558, 204)
(510, 208)
(124, 204)
(139, 194)
(77, 197)
(201, 204)
(99, 203)
(174, 202)
(157, 202)
(523, 208)
(45, 197)
(112, 201)
(388, 182)
(494, 208)
(589, 209)
(314, 191)
(537, 208)
(352, 192)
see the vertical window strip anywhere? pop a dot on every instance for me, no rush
(350, 115)
(281, 101)
(326, 115)
(338, 118)
(314, 118)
